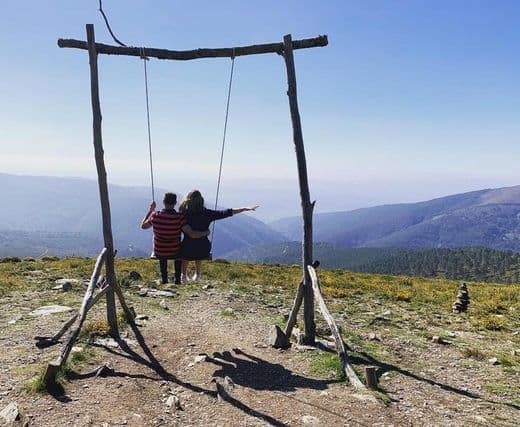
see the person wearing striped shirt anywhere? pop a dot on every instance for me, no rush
(167, 226)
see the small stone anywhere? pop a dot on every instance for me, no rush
(438, 340)
(277, 338)
(309, 420)
(260, 345)
(228, 311)
(141, 317)
(208, 286)
(173, 401)
(494, 361)
(374, 337)
(163, 305)
(50, 309)
(65, 286)
(228, 383)
(76, 349)
(10, 414)
(201, 358)
(69, 281)
(143, 292)
(515, 352)
(452, 334)
(155, 293)
(107, 342)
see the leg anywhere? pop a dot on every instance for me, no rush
(178, 267)
(184, 269)
(163, 264)
(198, 264)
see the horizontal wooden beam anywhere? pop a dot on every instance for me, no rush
(185, 55)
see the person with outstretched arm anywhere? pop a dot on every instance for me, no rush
(199, 218)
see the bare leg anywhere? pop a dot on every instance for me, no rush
(198, 264)
(184, 267)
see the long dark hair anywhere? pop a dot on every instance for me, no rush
(193, 202)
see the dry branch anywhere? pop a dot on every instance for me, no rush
(54, 367)
(340, 346)
(184, 55)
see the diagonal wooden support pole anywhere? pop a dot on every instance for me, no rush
(340, 346)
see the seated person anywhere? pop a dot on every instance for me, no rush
(167, 225)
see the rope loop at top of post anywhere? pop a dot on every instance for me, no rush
(142, 54)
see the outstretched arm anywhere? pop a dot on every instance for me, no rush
(190, 232)
(245, 209)
(146, 223)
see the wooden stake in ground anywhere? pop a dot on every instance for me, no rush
(309, 336)
(340, 346)
(55, 366)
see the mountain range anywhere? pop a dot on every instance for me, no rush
(487, 218)
(62, 216)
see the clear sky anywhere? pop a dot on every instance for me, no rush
(410, 100)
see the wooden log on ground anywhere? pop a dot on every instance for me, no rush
(184, 55)
(54, 366)
(340, 346)
(307, 207)
(102, 181)
(371, 377)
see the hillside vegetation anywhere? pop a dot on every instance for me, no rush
(478, 264)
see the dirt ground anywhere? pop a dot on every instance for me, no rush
(214, 339)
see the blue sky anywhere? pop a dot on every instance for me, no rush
(410, 100)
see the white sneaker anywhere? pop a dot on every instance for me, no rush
(196, 277)
(184, 279)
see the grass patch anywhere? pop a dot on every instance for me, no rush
(229, 313)
(327, 364)
(473, 353)
(491, 323)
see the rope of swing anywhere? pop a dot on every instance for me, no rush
(224, 134)
(145, 59)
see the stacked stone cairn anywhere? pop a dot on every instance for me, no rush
(462, 301)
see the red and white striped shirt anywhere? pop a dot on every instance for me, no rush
(167, 225)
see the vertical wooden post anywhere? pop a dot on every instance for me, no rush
(307, 207)
(102, 182)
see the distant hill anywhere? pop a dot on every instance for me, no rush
(33, 208)
(488, 218)
(476, 264)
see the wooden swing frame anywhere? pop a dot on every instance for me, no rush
(305, 292)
